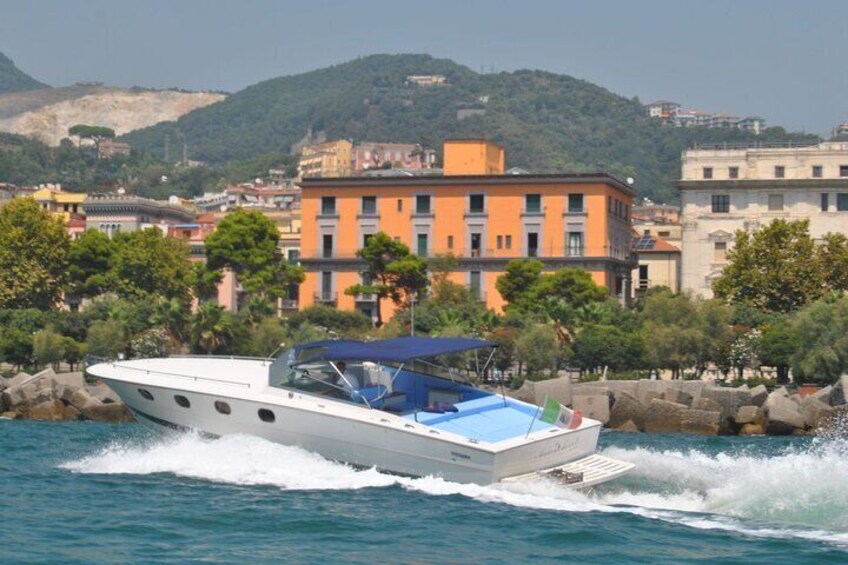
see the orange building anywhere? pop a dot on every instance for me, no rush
(484, 220)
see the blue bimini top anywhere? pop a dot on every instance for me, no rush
(400, 350)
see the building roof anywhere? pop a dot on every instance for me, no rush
(572, 178)
(653, 244)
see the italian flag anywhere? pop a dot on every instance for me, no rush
(560, 416)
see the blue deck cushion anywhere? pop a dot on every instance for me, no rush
(371, 394)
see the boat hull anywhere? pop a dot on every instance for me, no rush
(377, 439)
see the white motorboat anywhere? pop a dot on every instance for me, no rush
(386, 404)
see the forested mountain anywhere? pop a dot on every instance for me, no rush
(547, 122)
(12, 79)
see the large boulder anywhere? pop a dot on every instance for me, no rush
(19, 379)
(106, 395)
(823, 395)
(730, 399)
(27, 394)
(752, 430)
(535, 392)
(627, 426)
(4, 384)
(648, 390)
(750, 415)
(701, 403)
(49, 410)
(627, 408)
(839, 396)
(814, 411)
(664, 416)
(10, 415)
(783, 416)
(678, 395)
(82, 400)
(758, 395)
(66, 383)
(111, 413)
(595, 406)
(700, 422)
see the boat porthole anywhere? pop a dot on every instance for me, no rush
(222, 407)
(145, 394)
(266, 415)
(182, 401)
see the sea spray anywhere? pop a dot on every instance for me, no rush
(800, 491)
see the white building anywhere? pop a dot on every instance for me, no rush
(725, 188)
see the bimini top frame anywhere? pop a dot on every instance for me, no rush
(400, 350)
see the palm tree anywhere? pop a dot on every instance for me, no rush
(212, 328)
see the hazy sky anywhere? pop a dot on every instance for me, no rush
(783, 60)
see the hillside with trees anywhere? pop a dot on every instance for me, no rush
(12, 79)
(547, 122)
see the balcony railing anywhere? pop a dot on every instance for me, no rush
(515, 251)
(366, 298)
(325, 297)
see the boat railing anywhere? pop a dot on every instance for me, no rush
(184, 376)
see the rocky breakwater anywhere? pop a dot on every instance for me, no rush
(65, 396)
(698, 407)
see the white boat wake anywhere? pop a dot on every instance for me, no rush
(799, 493)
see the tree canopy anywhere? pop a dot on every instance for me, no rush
(33, 255)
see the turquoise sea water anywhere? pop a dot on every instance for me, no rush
(93, 493)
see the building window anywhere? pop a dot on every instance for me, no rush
(720, 252)
(508, 242)
(293, 256)
(474, 283)
(422, 204)
(733, 172)
(450, 242)
(664, 233)
(779, 172)
(575, 203)
(843, 170)
(825, 202)
(721, 203)
(422, 244)
(369, 205)
(842, 202)
(500, 242)
(532, 244)
(222, 407)
(327, 245)
(400, 205)
(643, 277)
(145, 394)
(182, 401)
(817, 171)
(775, 202)
(326, 285)
(266, 415)
(575, 244)
(476, 244)
(708, 173)
(533, 203)
(328, 205)
(476, 203)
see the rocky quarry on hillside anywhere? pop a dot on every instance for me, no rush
(697, 407)
(65, 396)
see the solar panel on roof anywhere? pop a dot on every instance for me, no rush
(645, 243)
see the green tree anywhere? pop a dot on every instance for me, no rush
(778, 345)
(74, 351)
(149, 265)
(90, 259)
(598, 346)
(348, 324)
(212, 328)
(17, 347)
(267, 336)
(672, 331)
(150, 343)
(392, 270)
(832, 257)
(822, 353)
(246, 243)
(48, 348)
(519, 276)
(106, 339)
(205, 281)
(33, 256)
(537, 349)
(775, 268)
(97, 134)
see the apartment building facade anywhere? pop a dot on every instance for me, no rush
(328, 159)
(483, 220)
(725, 188)
(374, 155)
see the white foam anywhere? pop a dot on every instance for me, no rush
(800, 493)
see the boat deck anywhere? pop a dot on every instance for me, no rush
(489, 419)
